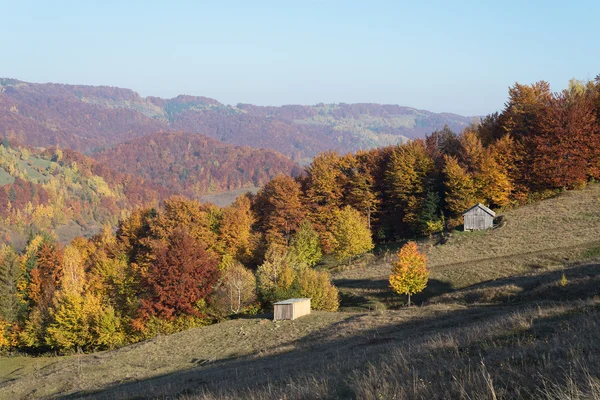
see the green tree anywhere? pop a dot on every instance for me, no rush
(274, 277)
(11, 274)
(306, 245)
(68, 327)
(409, 274)
(430, 216)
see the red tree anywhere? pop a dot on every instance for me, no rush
(181, 274)
(46, 276)
(566, 147)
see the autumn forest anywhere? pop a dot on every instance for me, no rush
(146, 257)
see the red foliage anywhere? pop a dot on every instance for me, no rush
(46, 275)
(19, 193)
(88, 118)
(566, 148)
(181, 274)
(194, 164)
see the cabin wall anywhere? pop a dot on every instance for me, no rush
(477, 219)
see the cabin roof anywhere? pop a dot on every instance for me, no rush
(290, 301)
(484, 208)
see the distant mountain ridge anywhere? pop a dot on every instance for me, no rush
(194, 164)
(91, 118)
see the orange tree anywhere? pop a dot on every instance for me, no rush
(409, 273)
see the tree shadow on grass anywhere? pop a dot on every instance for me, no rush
(365, 293)
(334, 354)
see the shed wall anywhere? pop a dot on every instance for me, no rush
(291, 310)
(301, 308)
(283, 311)
(478, 219)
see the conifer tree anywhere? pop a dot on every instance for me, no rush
(11, 276)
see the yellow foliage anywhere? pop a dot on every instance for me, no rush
(42, 216)
(409, 274)
(461, 192)
(317, 286)
(73, 278)
(5, 341)
(352, 234)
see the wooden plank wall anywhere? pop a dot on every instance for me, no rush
(283, 311)
(292, 310)
(477, 219)
(301, 308)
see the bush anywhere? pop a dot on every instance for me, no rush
(318, 287)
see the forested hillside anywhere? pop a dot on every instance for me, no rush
(63, 194)
(195, 165)
(122, 287)
(88, 118)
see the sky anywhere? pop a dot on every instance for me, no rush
(443, 56)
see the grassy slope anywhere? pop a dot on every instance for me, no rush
(539, 237)
(499, 323)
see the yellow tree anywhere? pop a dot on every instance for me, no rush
(408, 179)
(317, 286)
(493, 182)
(236, 229)
(237, 289)
(461, 192)
(409, 274)
(473, 152)
(279, 209)
(351, 233)
(324, 187)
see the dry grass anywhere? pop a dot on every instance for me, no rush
(540, 237)
(260, 337)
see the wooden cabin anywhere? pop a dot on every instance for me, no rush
(478, 218)
(291, 309)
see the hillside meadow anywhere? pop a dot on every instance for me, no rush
(497, 321)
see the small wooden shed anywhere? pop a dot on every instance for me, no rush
(478, 218)
(291, 309)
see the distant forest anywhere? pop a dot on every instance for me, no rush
(87, 118)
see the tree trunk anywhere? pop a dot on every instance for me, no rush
(409, 299)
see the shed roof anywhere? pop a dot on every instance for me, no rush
(484, 208)
(290, 301)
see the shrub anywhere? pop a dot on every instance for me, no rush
(318, 287)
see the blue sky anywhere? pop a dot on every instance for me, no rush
(453, 56)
